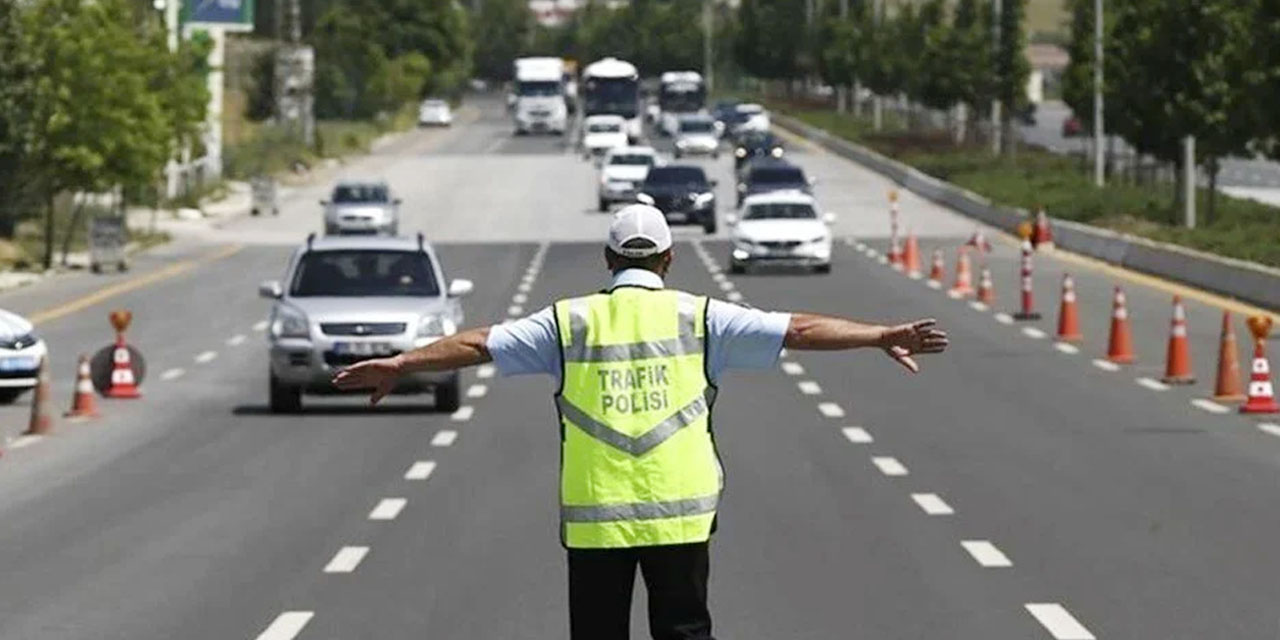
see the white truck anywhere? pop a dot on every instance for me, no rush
(539, 104)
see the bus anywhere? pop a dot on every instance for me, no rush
(679, 93)
(612, 87)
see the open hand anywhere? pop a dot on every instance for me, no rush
(905, 340)
(379, 375)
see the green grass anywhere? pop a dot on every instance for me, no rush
(1240, 228)
(264, 148)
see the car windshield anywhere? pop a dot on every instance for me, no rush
(777, 175)
(759, 141)
(780, 211)
(633, 159)
(539, 88)
(364, 272)
(360, 194)
(676, 175)
(604, 127)
(697, 126)
(617, 96)
(434, 104)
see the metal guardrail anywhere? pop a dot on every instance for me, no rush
(1245, 281)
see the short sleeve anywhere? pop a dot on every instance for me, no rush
(524, 346)
(743, 338)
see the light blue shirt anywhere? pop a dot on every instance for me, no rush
(738, 337)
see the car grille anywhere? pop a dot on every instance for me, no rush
(785, 244)
(13, 375)
(362, 328)
(346, 359)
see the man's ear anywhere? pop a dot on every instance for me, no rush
(608, 259)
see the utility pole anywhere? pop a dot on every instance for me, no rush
(1189, 181)
(1099, 131)
(842, 91)
(997, 118)
(877, 103)
(708, 32)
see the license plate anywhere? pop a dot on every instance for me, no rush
(676, 216)
(362, 348)
(19, 363)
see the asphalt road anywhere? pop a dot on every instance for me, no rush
(1009, 491)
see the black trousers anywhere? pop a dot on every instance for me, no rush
(675, 576)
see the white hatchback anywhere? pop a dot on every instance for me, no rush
(621, 172)
(602, 133)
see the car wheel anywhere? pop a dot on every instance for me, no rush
(709, 227)
(448, 398)
(678, 155)
(822, 268)
(737, 268)
(603, 205)
(330, 230)
(7, 396)
(283, 398)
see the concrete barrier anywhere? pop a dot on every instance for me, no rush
(1246, 281)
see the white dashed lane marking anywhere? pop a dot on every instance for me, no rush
(463, 413)
(1267, 427)
(25, 441)
(171, 374)
(831, 410)
(1004, 318)
(809, 387)
(978, 306)
(1106, 365)
(261, 325)
(726, 286)
(734, 296)
(206, 357)
(932, 504)
(477, 391)
(520, 298)
(236, 340)
(444, 438)
(485, 371)
(1058, 621)
(420, 470)
(1033, 333)
(889, 466)
(857, 435)
(1210, 406)
(718, 277)
(524, 287)
(986, 554)
(515, 310)
(346, 560)
(1152, 384)
(792, 368)
(1066, 347)
(287, 625)
(388, 509)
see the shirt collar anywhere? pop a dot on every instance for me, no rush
(637, 278)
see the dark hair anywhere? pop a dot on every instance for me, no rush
(618, 262)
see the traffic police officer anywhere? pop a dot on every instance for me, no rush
(637, 366)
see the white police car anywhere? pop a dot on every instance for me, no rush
(21, 352)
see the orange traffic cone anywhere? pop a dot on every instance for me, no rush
(1042, 236)
(1228, 387)
(937, 271)
(979, 241)
(1120, 344)
(986, 290)
(1028, 310)
(41, 402)
(911, 257)
(83, 404)
(1068, 315)
(1178, 361)
(1262, 396)
(123, 383)
(963, 286)
(895, 253)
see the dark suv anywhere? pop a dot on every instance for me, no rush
(682, 193)
(765, 175)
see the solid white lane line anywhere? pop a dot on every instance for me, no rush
(734, 296)
(978, 306)
(287, 625)
(792, 368)
(420, 470)
(1205, 404)
(25, 441)
(1106, 365)
(444, 438)
(515, 310)
(206, 357)
(1058, 621)
(1152, 384)
(857, 435)
(726, 286)
(170, 374)
(932, 504)
(463, 413)
(889, 466)
(809, 387)
(831, 410)
(1033, 333)
(236, 340)
(477, 391)
(1066, 347)
(388, 509)
(485, 371)
(346, 560)
(986, 554)
(1267, 427)
(1004, 318)
(260, 325)
(520, 298)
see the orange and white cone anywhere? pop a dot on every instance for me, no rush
(123, 382)
(83, 403)
(963, 286)
(1068, 314)
(1262, 396)
(937, 270)
(986, 289)
(1228, 388)
(41, 402)
(1028, 310)
(1178, 360)
(1120, 343)
(1042, 234)
(895, 253)
(911, 257)
(979, 241)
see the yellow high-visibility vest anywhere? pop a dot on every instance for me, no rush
(638, 463)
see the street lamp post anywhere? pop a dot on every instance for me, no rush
(1099, 131)
(997, 129)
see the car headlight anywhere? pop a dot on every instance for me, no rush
(739, 153)
(776, 152)
(289, 322)
(682, 143)
(703, 199)
(432, 326)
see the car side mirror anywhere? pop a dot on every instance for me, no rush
(397, 202)
(731, 219)
(270, 289)
(813, 181)
(829, 218)
(644, 198)
(460, 288)
(713, 183)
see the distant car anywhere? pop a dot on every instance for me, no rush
(782, 228)
(682, 193)
(750, 117)
(765, 175)
(602, 133)
(21, 352)
(724, 113)
(358, 207)
(347, 299)
(696, 135)
(755, 144)
(621, 171)
(1071, 127)
(434, 113)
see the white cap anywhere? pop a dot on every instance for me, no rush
(639, 222)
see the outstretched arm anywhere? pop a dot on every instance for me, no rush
(827, 333)
(454, 352)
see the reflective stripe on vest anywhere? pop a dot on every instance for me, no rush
(639, 445)
(641, 510)
(686, 343)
